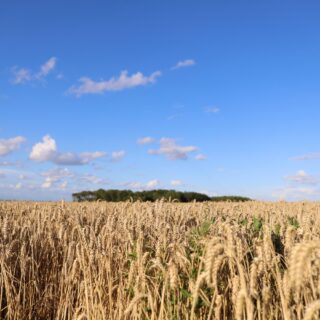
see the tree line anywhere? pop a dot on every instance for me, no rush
(114, 195)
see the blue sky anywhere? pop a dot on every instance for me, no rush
(211, 96)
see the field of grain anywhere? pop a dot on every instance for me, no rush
(160, 260)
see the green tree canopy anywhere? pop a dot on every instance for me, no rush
(114, 195)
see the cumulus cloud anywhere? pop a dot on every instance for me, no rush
(123, 81)
(176, 183)
(9, 145)
(23, 75)
(118, 155)
(184, 64)
(200, 157)
(145, 140)
(46, 150)
(171, 150)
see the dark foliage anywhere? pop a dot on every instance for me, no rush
(231, 198)
(150, 195)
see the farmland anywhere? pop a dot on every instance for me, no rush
(161, 260)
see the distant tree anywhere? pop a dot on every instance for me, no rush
(230, 199)
(114, 195)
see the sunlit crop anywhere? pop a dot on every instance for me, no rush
(162, 260)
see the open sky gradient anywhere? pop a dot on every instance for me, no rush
(221, 97)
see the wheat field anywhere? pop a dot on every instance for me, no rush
(162, 260)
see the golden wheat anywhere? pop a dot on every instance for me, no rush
(162, 260)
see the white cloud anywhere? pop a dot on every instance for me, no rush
(46, 68)
(296, 193)
(308, 156)
(9, 145)
(18, 186)
(200, 157)
(23, 75)
(174, 116)
(152, 184)
(212, 110)
(59, 178)
(300, 186)
(301, 177)
(54, 176)
(63, 185)
(58, 173)
(170, 149)
(60, 76)
(89, 178)
(124, 81)
(47, 151)
(118, 155)
(136, 185)
(47, 183)
(71, 158)
(184, 63)
(145, 140)
(10, 164)
(16, 174)
(176, 183)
